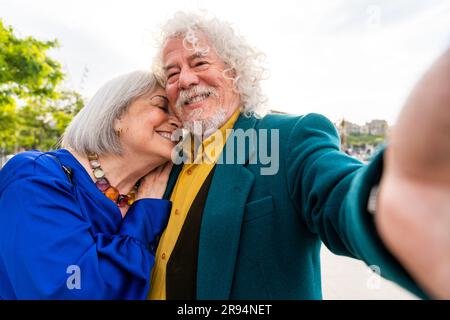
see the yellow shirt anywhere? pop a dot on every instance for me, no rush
(189, 182)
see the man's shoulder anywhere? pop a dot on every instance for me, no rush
(291, 129)
(277, 120)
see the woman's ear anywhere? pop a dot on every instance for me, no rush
(117, 124)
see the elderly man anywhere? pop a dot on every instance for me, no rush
(237, 232)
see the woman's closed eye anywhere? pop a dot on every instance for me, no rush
(160, 102)
(164, 108)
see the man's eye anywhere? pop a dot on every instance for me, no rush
(172, 75)
(201, 63)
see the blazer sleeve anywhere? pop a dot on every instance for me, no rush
(331, 191)
(50, 252)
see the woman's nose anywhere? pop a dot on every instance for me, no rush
(174, 122)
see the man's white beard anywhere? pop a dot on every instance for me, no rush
(205, 127)
(194, 121)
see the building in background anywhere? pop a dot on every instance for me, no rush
(372, 128)
(361, 141)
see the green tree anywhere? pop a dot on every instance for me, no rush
(34, 110)
(40, 126)
(26, 70)
(8, 125)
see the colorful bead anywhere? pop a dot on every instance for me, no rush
(94, 164)
(99, 173)
(112, 193)
(131, 198)
(92, 156)
(122, 200)
(102, 184)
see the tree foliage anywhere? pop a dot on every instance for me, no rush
(34, 108)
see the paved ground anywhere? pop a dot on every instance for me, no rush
(346, 278)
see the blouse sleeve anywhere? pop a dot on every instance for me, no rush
(50, 252)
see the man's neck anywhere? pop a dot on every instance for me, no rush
(228, 122)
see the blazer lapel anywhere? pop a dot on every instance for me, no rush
(221, 224)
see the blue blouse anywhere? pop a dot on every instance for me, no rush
(62, 238)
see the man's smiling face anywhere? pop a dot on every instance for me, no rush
(199, 86)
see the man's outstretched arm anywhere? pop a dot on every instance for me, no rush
(413, 212)
(409, 238)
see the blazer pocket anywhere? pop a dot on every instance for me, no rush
(258, 208)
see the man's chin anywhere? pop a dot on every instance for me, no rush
(193, 116)
(200, 127)
(200, 124)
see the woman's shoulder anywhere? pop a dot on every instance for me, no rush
(29, 164)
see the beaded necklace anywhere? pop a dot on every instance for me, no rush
(108, 190)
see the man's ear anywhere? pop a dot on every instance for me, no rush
(229, 73)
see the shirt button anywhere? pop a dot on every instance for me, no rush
(177, 212)
(163, 256)
(189, 172)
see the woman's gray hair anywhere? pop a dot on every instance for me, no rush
(243, 59)
(92, 129)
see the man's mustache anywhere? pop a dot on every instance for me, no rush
(187, 96)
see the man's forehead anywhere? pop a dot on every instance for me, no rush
(192, 46)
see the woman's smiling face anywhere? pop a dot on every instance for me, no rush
(147, 125)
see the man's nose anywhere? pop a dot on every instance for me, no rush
(187, 79)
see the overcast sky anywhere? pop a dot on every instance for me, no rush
(356, 59)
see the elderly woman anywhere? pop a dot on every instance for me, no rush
(83, 222)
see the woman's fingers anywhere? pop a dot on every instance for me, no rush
(154, 183)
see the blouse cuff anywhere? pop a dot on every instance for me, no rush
(146, 219)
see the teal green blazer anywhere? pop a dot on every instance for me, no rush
(261, 235)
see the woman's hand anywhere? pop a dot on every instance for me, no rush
(154, 183)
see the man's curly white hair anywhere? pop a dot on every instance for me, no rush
(243, 59)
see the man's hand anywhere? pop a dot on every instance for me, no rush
(413, 213)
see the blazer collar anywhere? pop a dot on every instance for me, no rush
(242, 122)
(222, 217)
(222, 220)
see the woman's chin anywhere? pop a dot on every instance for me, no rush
(166, 152)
